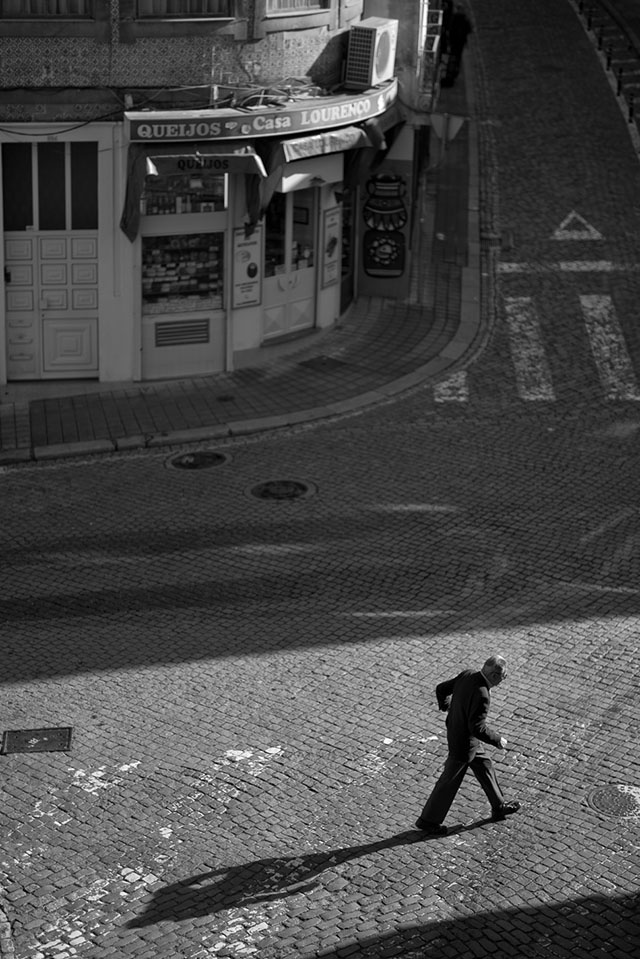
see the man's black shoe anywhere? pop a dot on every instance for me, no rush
(432, 828)
(506, 809)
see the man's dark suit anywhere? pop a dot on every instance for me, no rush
(466, 698)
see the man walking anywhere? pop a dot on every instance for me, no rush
(458, 33)
(466, 700)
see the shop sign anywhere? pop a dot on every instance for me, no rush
(318, 114)
(247, 277)
(331, 234)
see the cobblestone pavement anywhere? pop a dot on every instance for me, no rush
(250, 688)
(250, 682)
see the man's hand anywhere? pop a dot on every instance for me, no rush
(503, 743)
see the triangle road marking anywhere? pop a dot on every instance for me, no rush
(575, 227)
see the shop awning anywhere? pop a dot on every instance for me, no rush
(161, 159)
(332, 141)
(167, 159)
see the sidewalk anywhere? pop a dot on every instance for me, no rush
(380, 348)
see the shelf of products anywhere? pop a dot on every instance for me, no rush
(182, 273)
(185, 193)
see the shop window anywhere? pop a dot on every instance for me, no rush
(194, 192)
(275, 235)
(303, 229)
(182, 273)
(289, 232)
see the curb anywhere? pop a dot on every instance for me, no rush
(465, 343)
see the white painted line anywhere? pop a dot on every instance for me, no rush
(454, 389)
(608, 524)
(569, 266)
(575, 227)
(609, 348)
(587, 266)
(533, 375)
(599, 588)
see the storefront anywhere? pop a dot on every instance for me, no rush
(239, 231)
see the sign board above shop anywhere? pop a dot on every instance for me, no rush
(297, 116)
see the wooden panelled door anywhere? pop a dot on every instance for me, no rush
(50, 215)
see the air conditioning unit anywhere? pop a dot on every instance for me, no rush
(371, 54)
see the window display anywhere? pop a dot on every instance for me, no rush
(289, 220)
(193, 192)
(182, 273)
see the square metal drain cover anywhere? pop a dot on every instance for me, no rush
(36, 740)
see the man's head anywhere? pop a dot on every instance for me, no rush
(495, 670)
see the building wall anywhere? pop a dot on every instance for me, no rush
(230, 56)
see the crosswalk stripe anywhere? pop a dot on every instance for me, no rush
(609, 348)
(455, 389)
(533, 375)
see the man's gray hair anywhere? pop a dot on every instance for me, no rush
(496, 664)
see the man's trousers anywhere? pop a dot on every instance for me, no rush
(444, 791)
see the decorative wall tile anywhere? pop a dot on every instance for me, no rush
(164, 63)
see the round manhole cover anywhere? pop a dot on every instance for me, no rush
(616, 800)
(282, 490)
(197, 460)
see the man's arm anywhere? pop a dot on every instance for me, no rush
(478, 721)
(443, 693)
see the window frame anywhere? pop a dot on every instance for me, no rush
(191, 17)
(133, 27)
(96, 25)
(285, 20)
(321, 6)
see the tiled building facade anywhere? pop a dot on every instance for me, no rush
(183, 180)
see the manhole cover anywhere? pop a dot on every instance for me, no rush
(616, 800)
(36, 740)
(281, 490)
(198, 460)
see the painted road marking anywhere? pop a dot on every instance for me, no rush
(534, 381)
(455, 389)
(533, 376)
(609, 524)
(569, 266)
(609, 348)
(575, 227)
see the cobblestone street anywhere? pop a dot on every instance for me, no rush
(250, 688)
(250, 681)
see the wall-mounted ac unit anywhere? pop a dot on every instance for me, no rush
(371, 54)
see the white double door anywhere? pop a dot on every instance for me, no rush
(51, 262)
(290, 263)
(51, 295)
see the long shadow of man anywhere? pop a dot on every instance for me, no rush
(253, 882)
